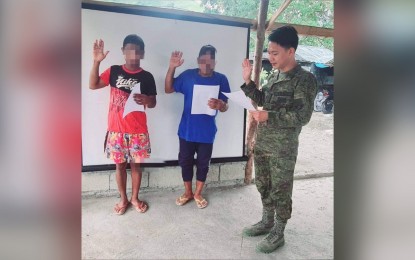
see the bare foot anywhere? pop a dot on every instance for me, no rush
(121, 207)
(198, 197)
(180, 201)
(201, 203)
(139, 205)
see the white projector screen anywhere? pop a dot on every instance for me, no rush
(161, 36)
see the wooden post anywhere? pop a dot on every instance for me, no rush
(252, 124)
(277, 13)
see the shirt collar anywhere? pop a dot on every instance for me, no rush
(289, 74)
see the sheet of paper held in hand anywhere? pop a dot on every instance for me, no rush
(201, 96)
(239, 98)
(130, 104)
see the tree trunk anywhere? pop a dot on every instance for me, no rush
(252, 124)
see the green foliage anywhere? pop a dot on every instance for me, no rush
(317, 13)
(189, 5)
(263, 77)
(235, 8)
(305, 12)
(317, 41)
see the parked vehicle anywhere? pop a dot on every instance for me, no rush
(324, 100)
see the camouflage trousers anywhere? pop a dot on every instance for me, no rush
(275, 158)
(274, 181)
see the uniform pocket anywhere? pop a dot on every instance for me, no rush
(287, 144)
(281, 99)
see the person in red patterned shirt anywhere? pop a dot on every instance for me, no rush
(127, 137)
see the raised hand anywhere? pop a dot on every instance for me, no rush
(98, 52)
(176, 59)
(246, 70)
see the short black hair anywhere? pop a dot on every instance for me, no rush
(285, 36)
(208, 49)
(133, 39)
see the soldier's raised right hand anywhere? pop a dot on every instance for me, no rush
(246, 70)
(98, 52)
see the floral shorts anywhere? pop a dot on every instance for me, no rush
(121, 147)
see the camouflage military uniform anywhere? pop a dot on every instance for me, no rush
(288, 98)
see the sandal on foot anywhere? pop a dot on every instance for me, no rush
(201, 204)
(121, 210)
(142, 207)
(180, 201)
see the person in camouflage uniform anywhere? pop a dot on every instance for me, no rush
(287, 101)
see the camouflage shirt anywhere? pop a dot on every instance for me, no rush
(288, 97)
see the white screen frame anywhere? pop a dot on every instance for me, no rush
(187, 34)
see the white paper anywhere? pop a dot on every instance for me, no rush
(201, 96)
(130, 104)
(239, 98)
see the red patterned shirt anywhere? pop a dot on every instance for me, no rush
(122, 81)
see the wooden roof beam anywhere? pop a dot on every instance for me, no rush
(305, 30)
(277, 13)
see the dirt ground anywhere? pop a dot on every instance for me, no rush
(315, 153)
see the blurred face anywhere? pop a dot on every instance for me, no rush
(206, 64)
(132, 53)
(279, 57)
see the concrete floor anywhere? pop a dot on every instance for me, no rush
(167, 231)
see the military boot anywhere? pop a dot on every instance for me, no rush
(274, 239)
(263, 226)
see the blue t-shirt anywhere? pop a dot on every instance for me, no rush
(199, 128)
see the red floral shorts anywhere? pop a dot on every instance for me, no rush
(121, 147)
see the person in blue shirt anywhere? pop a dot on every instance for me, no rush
(197, 130)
